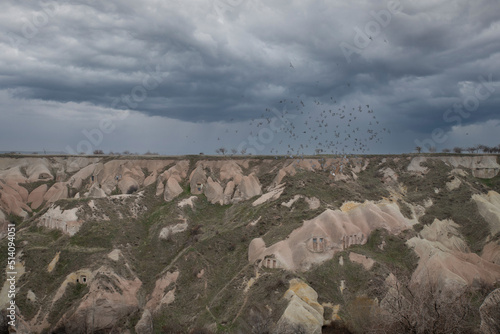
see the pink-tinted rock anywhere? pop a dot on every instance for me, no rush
(58, 191)
(36, 196)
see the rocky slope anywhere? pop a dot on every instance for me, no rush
(253, 244)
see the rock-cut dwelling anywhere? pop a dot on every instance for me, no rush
(317, 244)
(353, 239)
(199, 186)
(270, 262)
(82, 279)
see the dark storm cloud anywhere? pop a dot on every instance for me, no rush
(217, 67)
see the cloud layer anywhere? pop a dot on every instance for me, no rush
(213, 66)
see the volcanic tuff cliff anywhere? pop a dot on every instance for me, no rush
(253, 244)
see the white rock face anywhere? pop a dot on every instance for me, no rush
(303, 309)
(166, 232)
(459, 172)
(446, 233)
(115, 254)
(160, 186)
(489, 208)
(172, 189)
(415, 166)
(453, 184)
(187, 202)
(39, 171)
(313, 202)
(214, 192)
(111, 298)
(95, 192)
(31, 296)
(272, 195)
(65, 220)
(248, 188)
(390, 175)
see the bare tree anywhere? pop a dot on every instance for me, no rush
(432, 149)
(234, 151)
(418, 149)
(98, 152)
(243, 151)
(457, 150)
(221, 150)
(486, 149)
(446, 150)
(423, 310)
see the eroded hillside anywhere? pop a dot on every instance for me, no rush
(253, 244)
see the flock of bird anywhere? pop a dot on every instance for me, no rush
(335, 129)
(323, 128)
(319, 126)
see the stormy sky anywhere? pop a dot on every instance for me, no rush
(263, 77)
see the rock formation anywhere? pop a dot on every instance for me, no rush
(445, 261)
(181, 242)
(36, 196)
(303, 310)
(110, 299)
(490, 313)
(65, 220)
(332, 231)
(214, 192)
(489, 208)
